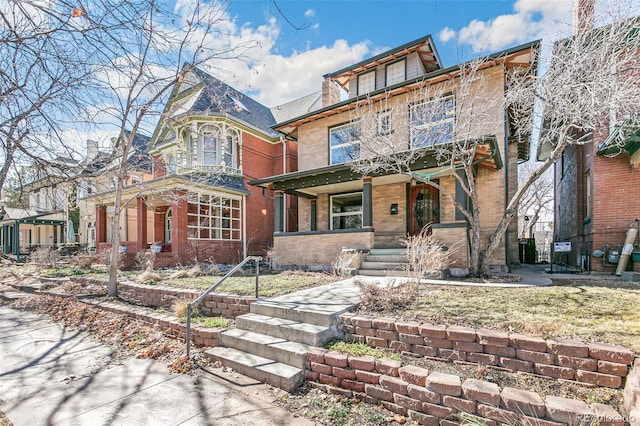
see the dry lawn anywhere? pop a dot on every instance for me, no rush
(587, 310)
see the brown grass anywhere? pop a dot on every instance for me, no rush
(587, 310)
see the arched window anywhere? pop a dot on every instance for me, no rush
(167, 226)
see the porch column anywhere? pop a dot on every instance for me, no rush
(141, 223)
(279, 208)
(16, 239)
(159, 215)
(180, 208)
(367, 202)
(101, 224)
(314, 215)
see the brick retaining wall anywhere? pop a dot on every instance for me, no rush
(632, 395)
(433, 398)
(594, 363)
(200, 336)
(157, 296)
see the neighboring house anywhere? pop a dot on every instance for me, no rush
(98, 177)
(46, 219)
(340, 209)
(596, 188)
(211, 140)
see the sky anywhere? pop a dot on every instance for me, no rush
(300, 41)
(296, 42)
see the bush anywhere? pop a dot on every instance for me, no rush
(380, 299)
(425, 256)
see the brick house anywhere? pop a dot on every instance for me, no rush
(341, 209)
(596, 183)
(211, 140)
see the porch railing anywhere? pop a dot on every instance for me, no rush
(235, 269)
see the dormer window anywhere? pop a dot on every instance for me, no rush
(366, 82)
(396, 72)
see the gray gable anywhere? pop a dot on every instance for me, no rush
(220, 98)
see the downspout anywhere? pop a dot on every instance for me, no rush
(284, 172)
(506, 177)
(244, 226)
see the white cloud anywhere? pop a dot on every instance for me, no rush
(447, 34)
(309, 13)
(530, 20)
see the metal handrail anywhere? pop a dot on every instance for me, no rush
(257, 259)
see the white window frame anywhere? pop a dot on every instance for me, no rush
(214, 217)
(344, 214)
(167, 225)
(427, 117)
(396, 72)
(366, 82)
(350, 141)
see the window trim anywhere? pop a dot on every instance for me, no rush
(366, 74)
(217, 222)
(346, 144)
(404, 72)
(358, 213)
(413, 128)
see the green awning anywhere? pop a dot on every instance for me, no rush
(625, 137)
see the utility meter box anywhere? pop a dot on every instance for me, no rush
(613, 256)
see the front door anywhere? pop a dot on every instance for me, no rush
(424, 207)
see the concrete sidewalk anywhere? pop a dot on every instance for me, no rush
(49, 376)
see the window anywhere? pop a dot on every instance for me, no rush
(136, 180)
(112, 183)
(366, 82)
(213, 217)
(209, 149)
(588, 199)
(227, 151)
(346, 211)
(344, 143)
(384, 122)
(432, 122)
(167, 226)
(396, 73)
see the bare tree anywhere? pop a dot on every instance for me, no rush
(537, 201)
(465, 106)
(44, 67)
(589, 83)
(149, 50)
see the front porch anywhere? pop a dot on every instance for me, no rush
(189, 223)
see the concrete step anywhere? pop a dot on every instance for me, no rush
(310, 334)
(395, 266)
(271, 309)
(383, 273)
(397, 258)
(276, 348)
(266, 370)
(387, 251)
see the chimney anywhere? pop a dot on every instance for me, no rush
(92, 150)
(330, 92)
(583, 15)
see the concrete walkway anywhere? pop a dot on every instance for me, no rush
(49, 376)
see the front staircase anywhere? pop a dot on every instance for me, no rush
(271, 342)
(385, 262)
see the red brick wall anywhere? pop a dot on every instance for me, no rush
(594, 363)
(262, 159)
(434, 398)
(616, 202)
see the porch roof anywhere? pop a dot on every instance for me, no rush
(625, 137)
(36, 219)
(159, 187)
(487, 154)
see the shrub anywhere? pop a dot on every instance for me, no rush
(425, 256)
(392, 298)
(342, 265)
